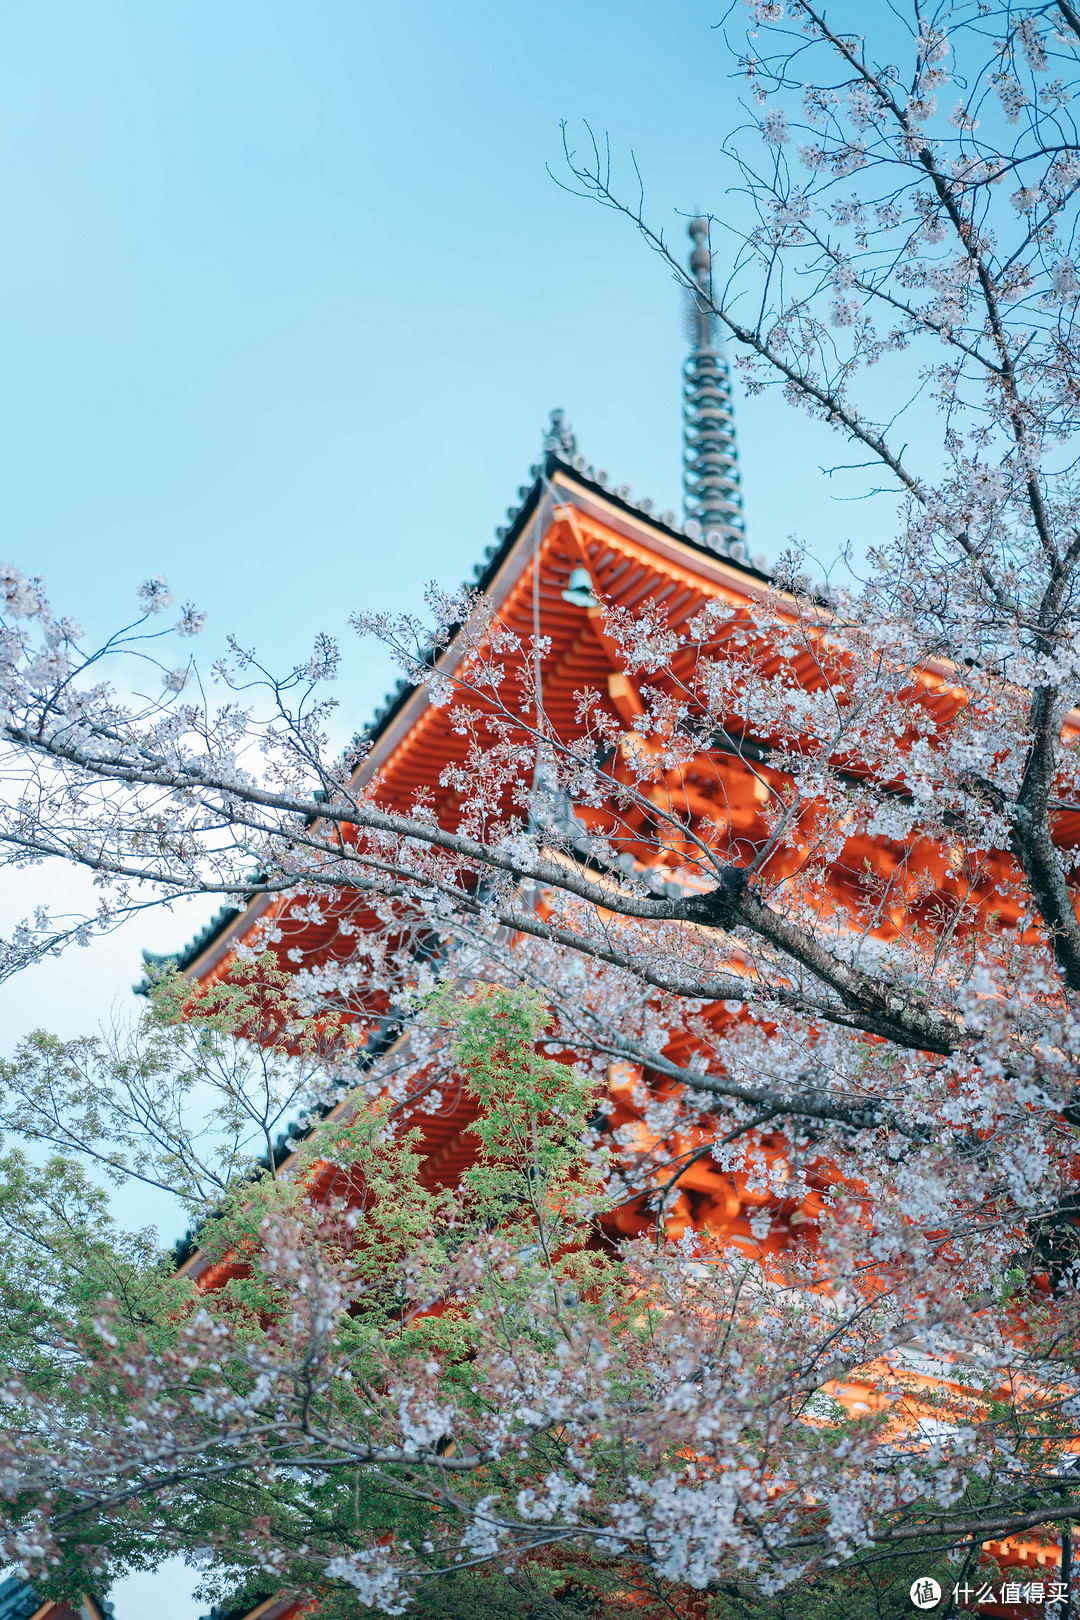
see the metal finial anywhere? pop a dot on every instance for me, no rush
(711, 495)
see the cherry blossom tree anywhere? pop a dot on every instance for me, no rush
(391, 1388)
(912, 1037)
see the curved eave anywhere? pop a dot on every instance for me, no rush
(564, 484)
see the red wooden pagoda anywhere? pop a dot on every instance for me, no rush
(575, 538)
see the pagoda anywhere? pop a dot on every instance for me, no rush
(574, 539)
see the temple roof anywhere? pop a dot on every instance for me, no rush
(572, 544)
(19, 1601)
(579, 484)
(670, 560)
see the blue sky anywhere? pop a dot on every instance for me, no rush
(288, 293)
(286, 297)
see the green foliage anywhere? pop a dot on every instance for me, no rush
(61, 1255)
(532, 1195)
(535, 1178)
(191, 1099)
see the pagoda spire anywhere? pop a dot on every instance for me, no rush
(711, 494)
